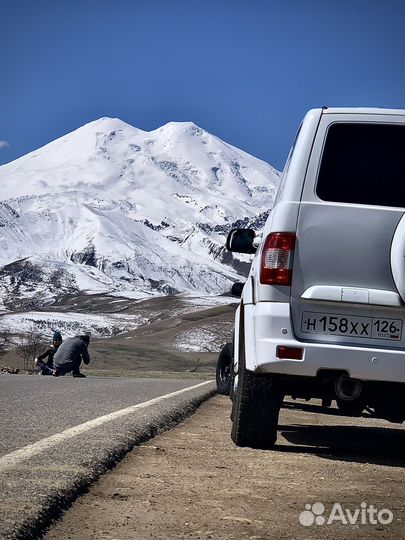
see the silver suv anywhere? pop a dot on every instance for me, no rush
(322, 314)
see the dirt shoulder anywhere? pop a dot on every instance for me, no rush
(192, 482)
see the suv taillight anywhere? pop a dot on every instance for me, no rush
(277, 259)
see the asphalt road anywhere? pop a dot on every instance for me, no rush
(35, 407)
(60, 435)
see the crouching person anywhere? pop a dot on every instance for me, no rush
(70, 354)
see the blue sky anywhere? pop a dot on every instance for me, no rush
(245, 70)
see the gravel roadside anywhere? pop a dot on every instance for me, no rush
(192, 482)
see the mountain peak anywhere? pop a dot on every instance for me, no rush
(111, 208)
(181, 127)
(106, 123)
(111, 159)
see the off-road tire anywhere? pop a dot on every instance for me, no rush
(224, 367)
(255, 408)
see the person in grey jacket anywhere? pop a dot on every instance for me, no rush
(70, 354)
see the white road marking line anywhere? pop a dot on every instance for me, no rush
(14, 458)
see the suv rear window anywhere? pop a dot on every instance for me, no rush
(363, 164)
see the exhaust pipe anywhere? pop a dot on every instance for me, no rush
(347, 388)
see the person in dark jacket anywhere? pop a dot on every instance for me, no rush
(45, 360)
(70, 354)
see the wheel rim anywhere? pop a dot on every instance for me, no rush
(225, 373)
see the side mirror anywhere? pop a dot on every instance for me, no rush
(241, 241)
(237, 289)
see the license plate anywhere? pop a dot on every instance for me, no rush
(348, 325)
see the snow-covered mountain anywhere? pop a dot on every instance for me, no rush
(114, 209)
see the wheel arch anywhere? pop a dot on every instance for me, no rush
(236, 337)
(244, 326)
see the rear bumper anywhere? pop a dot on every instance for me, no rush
(268, 325)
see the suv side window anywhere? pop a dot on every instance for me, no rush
(363, 163)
